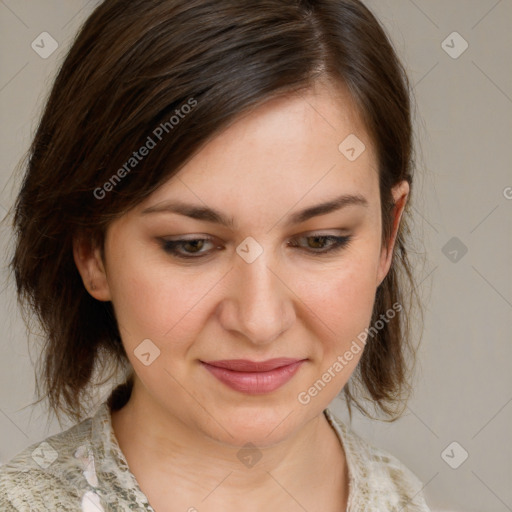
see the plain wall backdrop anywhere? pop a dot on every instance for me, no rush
(458, 54)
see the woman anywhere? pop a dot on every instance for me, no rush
(214, 203)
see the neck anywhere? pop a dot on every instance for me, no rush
(165, 453)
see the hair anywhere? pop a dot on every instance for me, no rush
(133, 66)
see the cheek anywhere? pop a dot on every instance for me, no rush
(342, 296)
(155, 300)
(340, 306)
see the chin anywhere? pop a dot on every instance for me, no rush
(262, 425)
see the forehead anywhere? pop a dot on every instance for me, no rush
(283, 151)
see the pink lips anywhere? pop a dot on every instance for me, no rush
(254, 377)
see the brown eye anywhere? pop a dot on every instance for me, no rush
(186, 248)
(193, 248)
(323, 244)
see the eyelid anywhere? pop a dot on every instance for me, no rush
(202, 236)
(339, 242)
(324, 232)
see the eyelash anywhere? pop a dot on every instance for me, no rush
(171, 246)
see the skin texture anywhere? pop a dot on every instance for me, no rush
(182, 428)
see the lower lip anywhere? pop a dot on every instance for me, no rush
(255, 383)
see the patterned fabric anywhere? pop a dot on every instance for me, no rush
(83, 469)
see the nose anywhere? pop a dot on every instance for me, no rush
(257, 302)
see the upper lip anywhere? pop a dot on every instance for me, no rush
(245, 365)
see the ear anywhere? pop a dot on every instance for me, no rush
(400, 194)
(91, 267)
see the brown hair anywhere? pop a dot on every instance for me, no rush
(135, 64)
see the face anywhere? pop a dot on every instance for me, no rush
(276, 280)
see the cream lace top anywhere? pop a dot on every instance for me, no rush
(83, 469)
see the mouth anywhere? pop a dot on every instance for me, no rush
(254, 377)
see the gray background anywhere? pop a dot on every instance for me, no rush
(463, 198)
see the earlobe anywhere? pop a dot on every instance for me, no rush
(400, 195)
(90, 265)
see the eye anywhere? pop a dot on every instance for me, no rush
(317, 243)
(186, 248)
(194, 248)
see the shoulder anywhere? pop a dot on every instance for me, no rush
(48, 475)
(379, 481)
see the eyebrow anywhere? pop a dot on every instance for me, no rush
(214, 216)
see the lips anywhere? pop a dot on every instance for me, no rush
(244, 365)
(254, 377)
